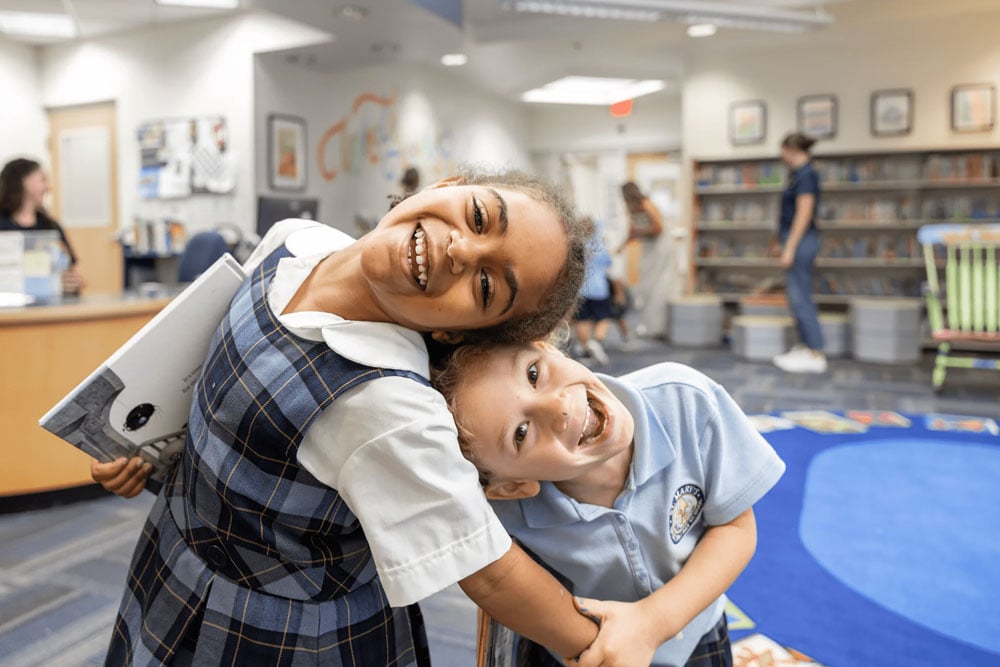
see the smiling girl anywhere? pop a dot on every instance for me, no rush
(322, 492)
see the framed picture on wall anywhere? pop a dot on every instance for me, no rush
(747, 122)
(973, 107)
(892, 112)
(286, 152)
(818, 116)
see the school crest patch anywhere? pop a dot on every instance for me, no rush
(684, 509)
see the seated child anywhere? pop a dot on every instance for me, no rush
(639, 490)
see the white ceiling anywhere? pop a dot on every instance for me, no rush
(510, 52)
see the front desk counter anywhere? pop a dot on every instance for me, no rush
(45, 351)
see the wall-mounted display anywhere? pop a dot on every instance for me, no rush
(747, 122)
(286, 152)
(973, 107)
(182, 157)
(892, 112)
(818, 116)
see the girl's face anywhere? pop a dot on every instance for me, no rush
(456, 257)
(35, 186)
(533, 414)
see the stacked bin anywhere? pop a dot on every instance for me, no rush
(762, 337)
(886, 331)
(696, 321)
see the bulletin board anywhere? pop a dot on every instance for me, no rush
(184, 157)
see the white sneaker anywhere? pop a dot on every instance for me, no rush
(597, 352)
(801, 361)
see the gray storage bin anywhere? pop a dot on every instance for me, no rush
(761, 337)
(886, 331)
(836, 334)
(696, 320)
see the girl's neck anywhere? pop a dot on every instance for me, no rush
(27, 215)
(602, 485)
(337, 285)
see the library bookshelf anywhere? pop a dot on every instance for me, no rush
(870, 209)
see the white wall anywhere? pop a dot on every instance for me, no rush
(429, 119)
(927, 56)
(22, 119)
(177, 70)
(654, 125)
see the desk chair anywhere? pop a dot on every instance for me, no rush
(967, 308)
(201, 251)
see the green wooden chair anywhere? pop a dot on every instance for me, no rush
(967, 309)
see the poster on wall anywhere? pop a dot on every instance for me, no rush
(818, 116)
(286, 152)
(747, 122)
(973, 107)
(182, 157)
(892, 112)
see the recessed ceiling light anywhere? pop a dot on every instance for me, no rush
(702, 30)
(212, 4)
(592, 90)
(454, 59)
(352, 12)
(33, 24)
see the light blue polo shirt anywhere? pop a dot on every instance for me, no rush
(698, 462)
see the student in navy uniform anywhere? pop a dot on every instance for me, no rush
(22, 190)
(798, 238)
(638, 490)
(322, 491)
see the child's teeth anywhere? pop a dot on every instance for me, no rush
(420, 260)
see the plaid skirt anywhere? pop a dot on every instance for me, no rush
(177, 611)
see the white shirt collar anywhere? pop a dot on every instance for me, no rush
(376, 344)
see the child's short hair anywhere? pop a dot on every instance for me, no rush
(447, 378)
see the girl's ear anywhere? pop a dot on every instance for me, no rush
(448, 337)
(445, 182)
(511, 490)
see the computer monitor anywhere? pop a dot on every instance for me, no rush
(272, 209)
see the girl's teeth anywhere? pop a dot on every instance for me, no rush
(420, 260)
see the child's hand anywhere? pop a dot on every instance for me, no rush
(122, 477)
(629, 635)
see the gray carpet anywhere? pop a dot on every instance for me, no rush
(62, 570)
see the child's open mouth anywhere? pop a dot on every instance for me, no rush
(418, 255)
(594, 421)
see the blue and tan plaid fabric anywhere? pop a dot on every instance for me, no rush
(246, 558)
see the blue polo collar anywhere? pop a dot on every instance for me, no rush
(653, 450)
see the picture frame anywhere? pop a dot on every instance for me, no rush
(817, 116)
(973, 107)
(286, 153)
(892, 112)
(747, 122)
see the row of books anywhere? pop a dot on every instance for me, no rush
(872, 246)
(971, 166)
(827, 284)
(756, 173)
(962, 167)
(961, 208)
(867, 246)
(869, 209)
(867, 170)
(740, 211)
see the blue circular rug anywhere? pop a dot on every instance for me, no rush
(879, 546)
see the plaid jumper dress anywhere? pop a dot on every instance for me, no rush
(246, 558)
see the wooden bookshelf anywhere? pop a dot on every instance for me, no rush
(871, 207)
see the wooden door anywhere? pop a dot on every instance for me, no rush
(84, 195)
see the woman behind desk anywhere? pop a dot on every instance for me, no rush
(22, 188)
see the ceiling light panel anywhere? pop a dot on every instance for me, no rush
(207, 4)
(592, 90)
(586, 10)
(34, 24)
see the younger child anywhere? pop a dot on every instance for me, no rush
(638, 489)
